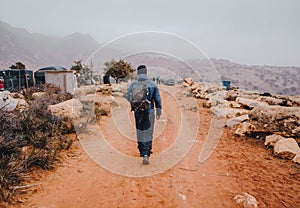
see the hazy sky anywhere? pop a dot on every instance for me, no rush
(243, 31)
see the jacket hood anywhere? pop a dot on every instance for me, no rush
(141, 77)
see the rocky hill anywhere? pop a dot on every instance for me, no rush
(37, 50)
(272, 79)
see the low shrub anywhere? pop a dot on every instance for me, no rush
(30, 138)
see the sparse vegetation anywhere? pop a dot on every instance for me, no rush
(31, 138)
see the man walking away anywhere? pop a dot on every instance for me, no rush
(143, 95)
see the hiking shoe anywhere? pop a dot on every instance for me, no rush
(146, 160)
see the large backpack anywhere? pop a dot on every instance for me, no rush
(139, 96)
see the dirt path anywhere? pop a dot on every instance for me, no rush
(237, 165)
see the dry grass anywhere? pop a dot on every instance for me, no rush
(31, 138)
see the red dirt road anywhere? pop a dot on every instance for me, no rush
(237, 165)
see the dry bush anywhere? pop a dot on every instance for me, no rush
(35, 128)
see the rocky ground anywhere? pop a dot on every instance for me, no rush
(245, 169)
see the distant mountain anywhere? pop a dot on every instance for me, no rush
(37, 50)
(272, 79)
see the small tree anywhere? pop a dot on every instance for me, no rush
(118, 69)
(18, 65)
(83, 73)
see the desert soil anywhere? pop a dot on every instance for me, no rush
(237, 165)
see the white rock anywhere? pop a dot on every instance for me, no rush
(237, 120)
(183, 197)
(71, 109)
(272, 139)
(234, 104)
(225, 112)
(249, 103)
(37, 95)
(7, 102)
(247, 200)
(244, 128)
(296, 159)
(287, 148)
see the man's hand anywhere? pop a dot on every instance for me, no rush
(157, 117)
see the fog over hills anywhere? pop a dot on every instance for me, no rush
(38, 50)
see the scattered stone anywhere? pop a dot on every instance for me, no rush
(274, 101)
(249, 103)
(234, 104)
(285, 120)
(244, 129)
(7, 102)
(236, 121)
(226, 112)
(69, 109)
(188, 81)
(295, 101)
(183, 197)
(272, 139)
(296, 159)
(38, 95)
(287, 148)
(246, 200)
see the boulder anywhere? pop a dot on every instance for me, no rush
(69, 109)
(236, 121)
(7, 102)
(295, 101)
(38, 95)
(234, 104)
(218, 99)
(272, 139)
(249, 103)
(244, 129)
(276, 119)
(274, 101)
(286, 148)
(225, 112)
(84, 90)
(188, 81)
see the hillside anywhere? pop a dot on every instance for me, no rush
(272, 79)
(37, 50)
